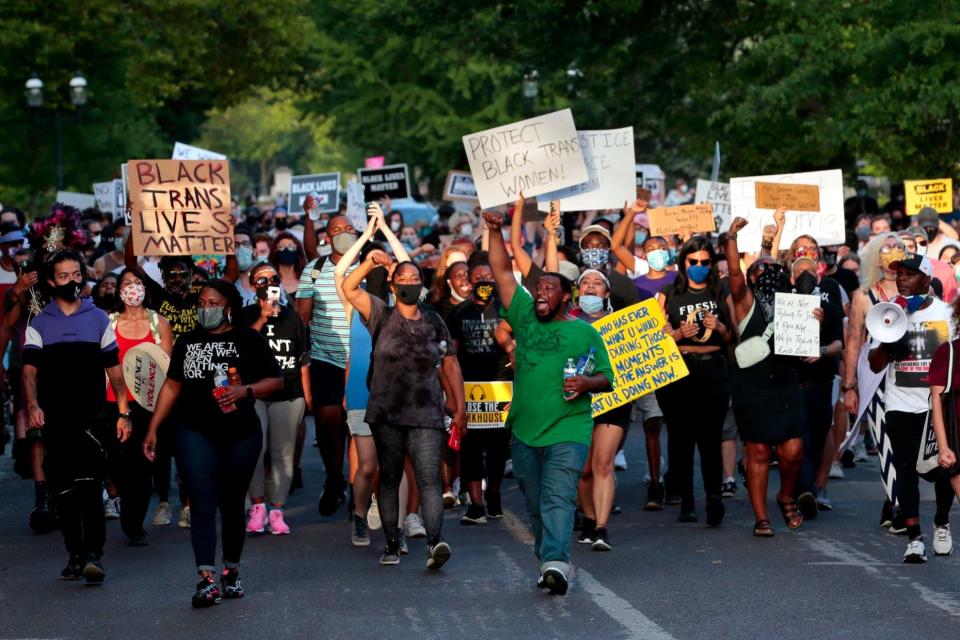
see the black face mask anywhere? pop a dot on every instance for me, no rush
(805, 283)
(68, 292)
(408, 293)
(280, 224)
(829, 258)
(287, 256)
(932, 232)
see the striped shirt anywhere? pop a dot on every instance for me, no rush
(329, 328)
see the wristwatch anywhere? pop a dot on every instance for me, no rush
(250, 392)
(848, 386)
(125, 415)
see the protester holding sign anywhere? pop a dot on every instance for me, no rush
(697, 307)
(550, 414)
(134, 323)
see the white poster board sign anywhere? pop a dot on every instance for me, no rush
(125, 186)
(183, 151)
(718, 195)
(795, 331)
(608, 154)
(79, 200)
(536, 156)
(120, 201)
(356, 206)
(652, 178)
(826, 226)
(103, 194)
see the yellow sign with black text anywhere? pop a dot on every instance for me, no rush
(487, 404)
(936, 193)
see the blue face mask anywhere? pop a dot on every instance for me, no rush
(698, 273)
(658, 260)
(591, 304)
(244, 258)
(639, 236)
(673, 254)
(915, 302)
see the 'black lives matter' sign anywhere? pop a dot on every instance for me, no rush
(324, 187)
(392, 181)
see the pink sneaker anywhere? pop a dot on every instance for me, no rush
(277, 526)
(258, 515)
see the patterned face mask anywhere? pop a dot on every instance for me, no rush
(765, 289)
(133, 294)
(595, 258)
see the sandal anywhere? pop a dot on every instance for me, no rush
(762, 529)
(791, 513)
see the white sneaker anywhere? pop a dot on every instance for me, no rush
(646, 475)
(373, 515)
(184, 521)
(836, 471)
(620, 461)
(413, 526)
(915, 553)
(860, 452)
(161, 515)
(942, 541)
(111, 509)
(508, 469)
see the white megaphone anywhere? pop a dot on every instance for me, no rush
(887, 322)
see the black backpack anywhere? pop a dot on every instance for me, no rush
(432, 315)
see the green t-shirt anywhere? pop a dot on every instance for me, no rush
(539, 415)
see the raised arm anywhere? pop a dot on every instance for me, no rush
(309, 232)
(770, 245)
(551, 262)
(622, 240)
(739, 291)
(516, 237)
(374, 210)
(499, 260)
(357, 297)
(340, 271)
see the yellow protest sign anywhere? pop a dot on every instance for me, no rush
(936, 193)
(642, 356)
(487, 404)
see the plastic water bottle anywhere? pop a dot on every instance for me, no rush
(587, 364)
(220, 382)
(569, 371)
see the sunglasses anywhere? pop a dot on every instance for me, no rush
(173, 275)
(807, 252)
(703, 263)
(264, 281)
(921, 243)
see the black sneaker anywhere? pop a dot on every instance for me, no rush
(715, 510)
(494, 508)
(556, 581)
(847, 459)
(391, 553)
(688, 516)
(588, 531)
(330, 499)
(93, 572)
(207, 594)
(898, 526)
(359, 536)
(807, 502)
(601, 540)
(230, 584)
(74, 569)
(729, 488)
(475, 514)
(886, 515)
(654, 497)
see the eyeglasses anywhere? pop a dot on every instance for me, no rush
(703, 263)
(173, 275)
(807, 252)
(264, 281)
(890, 248)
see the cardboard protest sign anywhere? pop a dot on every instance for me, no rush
(144, 370)
(79, 200)
(793, 197)
(487, 404)
(610, 162)
(536, 156)
(460, 186)
(324, 187)
(826, 227)
(120, 202)
(643, 357)
(187, 152)
(103, 194)
(685, 220)
(929, 193)
(356, 205)
(718, 195)
(392, 181)
(180, 207)
(795, 331)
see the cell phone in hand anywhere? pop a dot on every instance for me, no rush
(273, 298)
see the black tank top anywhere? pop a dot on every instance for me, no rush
(692, 305)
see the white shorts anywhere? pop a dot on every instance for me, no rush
(357, 424)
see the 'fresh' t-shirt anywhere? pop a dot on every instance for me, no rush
(539, 415)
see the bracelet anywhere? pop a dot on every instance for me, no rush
(731, 236)
(766, 245)
(125, 415)
(848, 386)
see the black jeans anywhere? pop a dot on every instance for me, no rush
(695, 408)
(217, 468)
(131, 471)
(484, 453)
(906, 431)
(818, 401)
(423, 444)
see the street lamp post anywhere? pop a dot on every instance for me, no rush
(530, 90)
(78, 97)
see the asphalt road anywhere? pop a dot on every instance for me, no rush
(840, 576)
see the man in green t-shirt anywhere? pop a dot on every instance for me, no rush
(549, 418)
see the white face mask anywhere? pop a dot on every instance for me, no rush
(466, 229)
(395, 226)
(96, 240)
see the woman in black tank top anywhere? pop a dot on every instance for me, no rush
(697, 312)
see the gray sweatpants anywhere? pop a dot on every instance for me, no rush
(280, 421)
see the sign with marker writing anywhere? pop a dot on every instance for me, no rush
(793, 197)
(795, 331)
(487, 404)
(718, 195)
(180, 207)
(120, 202)
(937, 194)
(460, 186)
(536, 156)
(642, 356)
(611, 180)
(685, 220)
(103, 194)
(188, 152)
(392, 181)
(324, 187)
(826, 227)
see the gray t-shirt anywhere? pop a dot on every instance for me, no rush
(405, 383)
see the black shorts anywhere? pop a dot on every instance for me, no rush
(619, 417)
(327, 383)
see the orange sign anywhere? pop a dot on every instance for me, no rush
(685, 220)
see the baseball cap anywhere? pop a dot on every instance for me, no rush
(593, 228)
(569, 270)
(916, 263)
(928, 217)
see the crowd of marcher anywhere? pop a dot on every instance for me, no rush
(376, 333)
